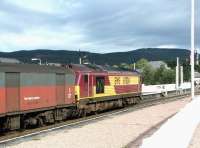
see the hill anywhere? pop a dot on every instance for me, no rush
(64, 56)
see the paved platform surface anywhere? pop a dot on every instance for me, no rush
(178, 131)
(195, 142)
(115, 131)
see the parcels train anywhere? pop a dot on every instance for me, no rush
(35, 95)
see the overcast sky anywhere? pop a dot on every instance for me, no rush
(95, 25)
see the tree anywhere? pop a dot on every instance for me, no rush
(159, 74)
(186, 68)
(164, 76)
(168, 76)
(115, 66)
(124, 66)
(186, 71)
(142, 63)
(148, 75)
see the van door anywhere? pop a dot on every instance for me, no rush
(12, 92)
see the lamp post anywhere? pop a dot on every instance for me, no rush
(177, 73)
(192, 45)
(37, 59)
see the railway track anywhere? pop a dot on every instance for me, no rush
(15, 136)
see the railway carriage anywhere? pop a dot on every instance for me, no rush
(34, 93)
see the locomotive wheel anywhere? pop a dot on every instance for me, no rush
(40, 122)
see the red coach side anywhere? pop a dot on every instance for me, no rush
(2, 94)
(31, 88)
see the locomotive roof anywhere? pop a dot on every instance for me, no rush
(33, 68)
(99, 68)
(79, 67)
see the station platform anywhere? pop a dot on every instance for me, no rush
(126, 129)
(178, 131)
(195, 142)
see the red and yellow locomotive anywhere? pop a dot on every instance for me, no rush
(100, 88)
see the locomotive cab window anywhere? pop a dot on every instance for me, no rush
(100, 83)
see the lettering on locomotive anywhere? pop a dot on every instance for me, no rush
(31, 98)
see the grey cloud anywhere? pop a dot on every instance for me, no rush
(164, 21)
(115, 25)
(19, 19)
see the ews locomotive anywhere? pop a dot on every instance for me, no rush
(34, 95)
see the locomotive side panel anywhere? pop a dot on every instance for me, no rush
(116, 85)
(125, 84)
(85, 83)
(38, 90)
(101, 85)
(2, 93)
(12, 91)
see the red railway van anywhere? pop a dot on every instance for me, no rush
(27, 88)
